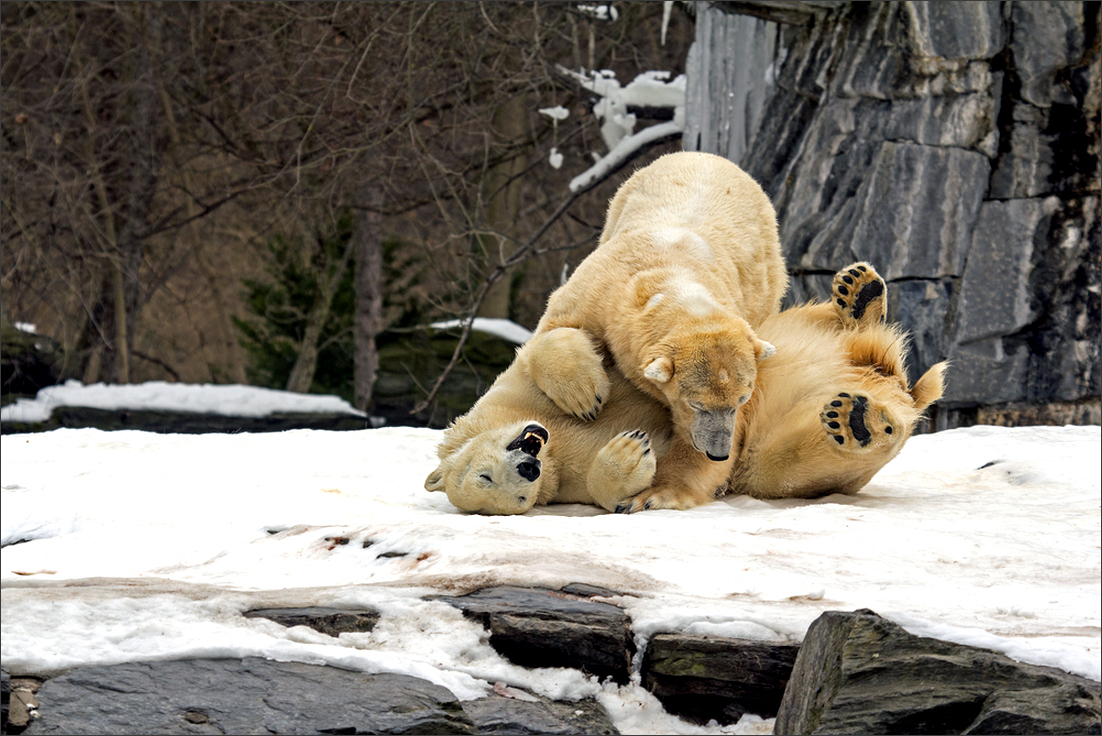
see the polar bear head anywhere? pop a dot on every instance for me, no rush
(705, 378)
(494, 472)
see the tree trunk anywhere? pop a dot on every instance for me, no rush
(369, 295)
(126, 198)
(329, 279)
(503, 208)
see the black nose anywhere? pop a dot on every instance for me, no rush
(529, 469)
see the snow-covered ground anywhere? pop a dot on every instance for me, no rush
(143, 546)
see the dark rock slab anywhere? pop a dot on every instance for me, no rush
(536, 627)
(331, 621)
(184, 422)
(532, 714)
(701, 678)
(859, 673)
(215, 696)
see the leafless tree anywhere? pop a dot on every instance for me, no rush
(149, 150)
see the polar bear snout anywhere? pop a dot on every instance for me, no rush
(713, 432)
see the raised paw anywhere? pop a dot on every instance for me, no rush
(623, 467)
(859, 295)
(857, 423)
(567, 367)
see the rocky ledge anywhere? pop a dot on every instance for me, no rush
(854, 673)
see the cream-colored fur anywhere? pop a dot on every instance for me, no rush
(688, 266)
(834, 404)
(790, 439)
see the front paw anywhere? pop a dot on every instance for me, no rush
(623, 467)
(859, 295)
(568, 369)
(857, 423)
(667, 497)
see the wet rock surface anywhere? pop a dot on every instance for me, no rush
(860, 673)
(331, 621)
(214, 696)
(536, 627)
(702, 678)
(854, 673)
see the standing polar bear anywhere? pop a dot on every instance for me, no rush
(831, 409)
(688, 266)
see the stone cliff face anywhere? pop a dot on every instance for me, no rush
(953, 145)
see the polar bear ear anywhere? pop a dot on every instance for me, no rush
(435, 481)
(660, 370)
(764, 350)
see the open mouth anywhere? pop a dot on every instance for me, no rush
(530, 441)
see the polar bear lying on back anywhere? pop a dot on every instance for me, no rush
(831, 409)
(688, 266)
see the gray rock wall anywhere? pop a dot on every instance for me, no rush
(953, 145)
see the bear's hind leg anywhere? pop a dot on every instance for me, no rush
(859, 423)
(623, 467)
(859, 295)
(566, 366)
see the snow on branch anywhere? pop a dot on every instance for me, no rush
(603, 11)
(624, 149)
(648, 90)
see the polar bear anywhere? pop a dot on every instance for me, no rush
(834, 405)
(831, 410)
(688, 266)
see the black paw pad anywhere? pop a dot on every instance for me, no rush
(869, 292)
(855, 423)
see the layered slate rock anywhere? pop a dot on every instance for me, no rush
(524, 713)
(252, 695)
(862, 674)
(702, 678)
(536, 627)
(953, 145)
(331, 621)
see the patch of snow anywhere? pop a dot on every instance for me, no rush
(146, 546)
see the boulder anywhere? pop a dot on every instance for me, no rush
(860, 673)
(249, 695)
(537, 627)
(702, 678)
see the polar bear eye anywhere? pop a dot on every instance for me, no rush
(485, 478)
